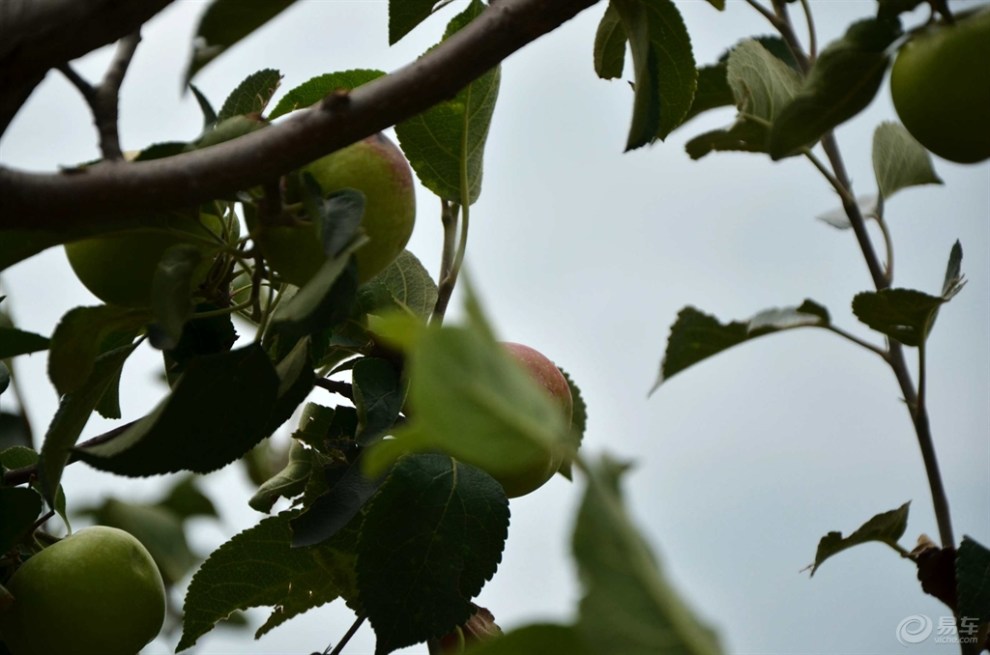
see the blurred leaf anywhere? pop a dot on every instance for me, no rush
(82, 335)
(445, 144)
(209, 114)
(252, 95)
(538, 639)
(225, 23)
(973, 581)
(20, 508)
(404, 15)
(713, 90)
(317, 88)
(891, 8)
(186, 500)
(259, 568)
(432, 536)
(71, 417)
(899, 161)
(15, 430)
(842, 82)
(227, 129)
(4, 377)
(579, 422)
(14, 342)
(886, 527)
(186, 431)
(628, 606)
(954, 279)
(666, 77)
(171, 293)
(838, 219)
(905, 315)
(405, 284)
(610, 45)
(695, 336)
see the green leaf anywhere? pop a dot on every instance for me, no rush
(171, 293)
(445, 144)
(538, 639)
(225, 23)
(14, 342)
(404, 15)
(713, 90)
(973, 581)
(579, 422)
(289, 482)
(19, 508)
(628, 606)
(378, 396)
(82, 335)
(762, 84)
(666, 76)
(610, 45)
(319, 87)
(200, 336)
(295, 380)
(185, 431)
(899, 161)
(695, 336)
(259, 568)
(71, 417)
(886, 527)
(837, 218)
(405, 284)
(209, 114)
(347, 492)
(252, 95)
(4, 377)
(954, 279)
(432, 536)
(905, 315)
(842, 82)
(186, 500)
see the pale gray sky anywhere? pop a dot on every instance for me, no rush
(587, 254)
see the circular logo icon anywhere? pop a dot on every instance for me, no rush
(914, 629)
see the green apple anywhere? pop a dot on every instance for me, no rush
(546, 374)
(96, 592)
(118, 268)
(376, 168)
(940, 85)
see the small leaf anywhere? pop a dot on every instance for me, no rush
(404, 15)
(954, 279)
(225, 23)
(842, 82)
(319, 87)
(695, 336)
(886, 527)
(186, 431)
(838, 219)
(445, 144)
(579, 422)
(14, 342)
(259, 568)
(287, 483)
(666, 77)
(905, 315)
(252, 95)
(171, 293)
(628, 606)
(973, 581)
(610, 45)
(378, 396)
(209, 114)
(899, 161)
(432, 536)
(82, 335)
(404, 284)
(19, 508)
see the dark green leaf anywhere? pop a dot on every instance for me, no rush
(404, 15)
(171, 293)
(404, 284)
(162, 150)
(902, 314)
(295, 381)
(209, 114)
(14, 342)
(338, 215)
(628, 606)
(610, 45)
(200, 336)
(290, 481)
(954, 279)
(432, 536)
(186, 500)
(696, 336)
(259, 568)
(378, 396)
(891, 8)
(317, 88)
(973, 581)
(539, 639)
(842, 82)
(713, 90)
(4, 377)
(225, 23)
(579, 422)
(666, 77)
(15, 431)
(899, 161)
(188, 430)
(886, 527)
(449, 139)
(19, 508)
(228, 130)
(252, 95)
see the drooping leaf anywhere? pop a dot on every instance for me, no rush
(259, 568)
(445, 144)
(404, 15)
(973, 581)
(185, 431)
(287, 483)
(317, 88)
(899, 161)
(20, 508)
(842, 82)
(610, 45)
(627, 606)
(886, 527)
(171, 294)
(404, 284)
(666, 77)
(538, 639)
(905, 315)
(432, 536)
(696, 336)
(252, 95)
(226, 22)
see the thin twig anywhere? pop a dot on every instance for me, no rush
(347, 636)
(447, 279)
(812, 32)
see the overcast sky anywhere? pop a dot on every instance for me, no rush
(587, 254)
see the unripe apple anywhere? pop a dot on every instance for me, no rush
(96, 592)
(377, 168)
(118, 268)
(545, 373)
(940, 85)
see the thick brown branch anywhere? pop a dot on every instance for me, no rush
(108, 191)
